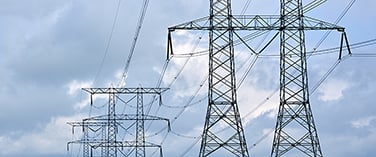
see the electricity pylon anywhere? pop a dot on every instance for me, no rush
(222, 109)
(108, 126)
(295, 131)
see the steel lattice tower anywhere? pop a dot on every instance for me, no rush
(107, 126)
(295, 131)
(222, 106)
(294, 109)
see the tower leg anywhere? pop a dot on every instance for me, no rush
(295, 131)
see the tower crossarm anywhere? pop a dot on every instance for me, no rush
(98, 121)
(97, 143)
(119, 117)
(122, 144)
(101, 120)
(257, 22)
(86, 123)
(125, 90)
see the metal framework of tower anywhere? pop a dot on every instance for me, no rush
(107, 126)
(294, 109)
(295, 130)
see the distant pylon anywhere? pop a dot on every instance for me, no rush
(101, 131)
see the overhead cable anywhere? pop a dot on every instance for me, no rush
(344, 12)
(134, 42)
(108, 41)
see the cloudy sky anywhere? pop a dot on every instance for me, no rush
(51, 49)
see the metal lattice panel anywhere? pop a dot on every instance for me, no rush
(111, 133)
(222, 108)
(295, 132)
(86, 147)
(140, 132)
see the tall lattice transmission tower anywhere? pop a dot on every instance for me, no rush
(222, 109)
(102, 135)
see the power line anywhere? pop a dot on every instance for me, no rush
(353, 46)
(344, 12)
(246, 5)
(134, 42)
(108, 41)
(364, 55)
(326, 75)
(190, 147)
(185, 136)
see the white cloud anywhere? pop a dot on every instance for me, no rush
(83, 103)
(363, 122)
(75, 86)
(351, 144)
(333, 90)
(88, 100)
(255, 102)
(50, 139)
